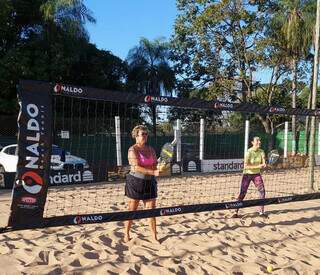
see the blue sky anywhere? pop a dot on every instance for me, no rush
(121, 23)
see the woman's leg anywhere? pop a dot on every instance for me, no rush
(132, 206)
(245, 182)
(153, 226)
(258, 182)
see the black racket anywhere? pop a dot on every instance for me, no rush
(166, 156)
(167, 153)
(273, 157)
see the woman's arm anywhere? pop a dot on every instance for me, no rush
(135, 167)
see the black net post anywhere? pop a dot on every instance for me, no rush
(34, 153)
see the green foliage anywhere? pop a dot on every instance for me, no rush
(149, 71)
(215, 46)
(46, 40)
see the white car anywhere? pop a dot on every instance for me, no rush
(60, 159)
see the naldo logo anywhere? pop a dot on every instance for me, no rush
(60, 88)
(71, 178)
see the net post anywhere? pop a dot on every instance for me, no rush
(118, 140)
(312, 184)
(29, 192)
(177, 133)
(285, 146)
(202, 125)
(246, 135)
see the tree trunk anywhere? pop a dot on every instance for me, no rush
(269, 131)
(294, 94)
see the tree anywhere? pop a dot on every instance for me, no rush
(47, 41)
(149, 71)
(217, 48)
(215, 44)
(296, 29)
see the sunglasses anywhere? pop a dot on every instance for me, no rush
(144, 134)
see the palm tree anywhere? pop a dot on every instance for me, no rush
(68, 14)
(297, 30)
(63, 19)
(150, 72)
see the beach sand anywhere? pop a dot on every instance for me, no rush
(200, 243)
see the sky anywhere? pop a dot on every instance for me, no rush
(121, 23)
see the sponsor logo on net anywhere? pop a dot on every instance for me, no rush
(277, 110)
(170, 211)
(31, 182)
(87, 219)
(280, 200)
(28, 200)
(59, 178)
(35, 129)
(233, 205)
(60, 88)
(223, 105)
(157, 99)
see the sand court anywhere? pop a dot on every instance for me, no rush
(199, 243)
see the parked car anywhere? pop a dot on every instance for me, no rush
(60, 159)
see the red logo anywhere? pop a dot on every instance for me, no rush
(223, 105)
(29, 200)
(148, 98)
(277, 110)
(77, 220)
(57, 88)
(32, 182)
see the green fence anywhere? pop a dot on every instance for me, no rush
(228, 145)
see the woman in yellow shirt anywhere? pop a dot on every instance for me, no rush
(254, 161)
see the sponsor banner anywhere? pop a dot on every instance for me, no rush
(176, 168)
(155, 99)
(34, 151)
(87, 219)
(68, 177)
(176, 210)
(191, 165)
(67, 89)
(132, 98)
(221, 165)
(170, 211)
(223, 105)
(277, 110)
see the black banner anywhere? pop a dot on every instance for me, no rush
(135, 98)
(34, 152)
(157, 212)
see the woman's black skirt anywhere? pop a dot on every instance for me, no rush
(141, 189)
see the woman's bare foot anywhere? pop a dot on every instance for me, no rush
(127, 239)
(155, 240)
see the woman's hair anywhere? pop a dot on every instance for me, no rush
(138, 128)
(254, 137)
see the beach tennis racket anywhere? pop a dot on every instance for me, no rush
(273, 157)
(166, 156)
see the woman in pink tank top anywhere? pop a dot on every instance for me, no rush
(140, 182)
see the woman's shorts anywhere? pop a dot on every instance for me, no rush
(140, 189)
